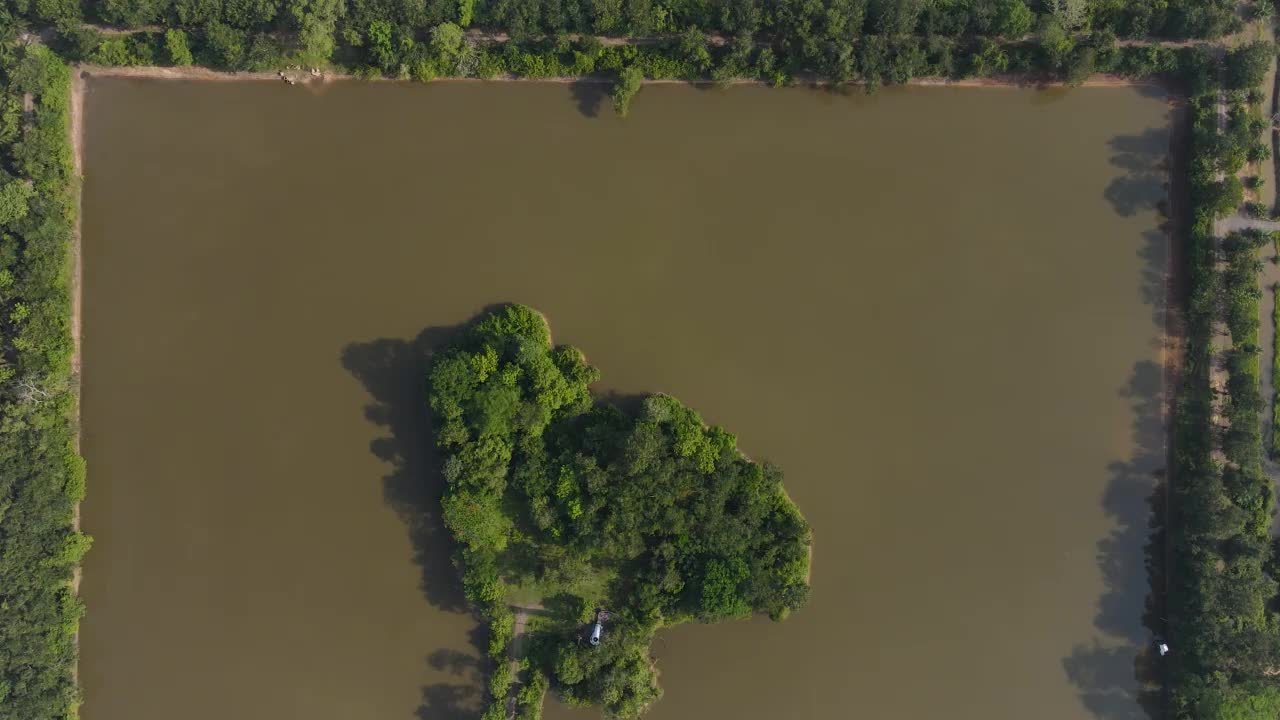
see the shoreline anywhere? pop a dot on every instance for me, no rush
(192, 72)
(75, 129)
(1171, 355)
(1173, 365)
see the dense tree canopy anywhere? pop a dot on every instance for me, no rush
(879, 41)
(1221, 604)
(549, 489)
(41, 474)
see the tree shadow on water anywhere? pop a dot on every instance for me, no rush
(590, 96)
(1116, 673)
(447, 701)
(1144, 163)
(394, 373)
(455, 700)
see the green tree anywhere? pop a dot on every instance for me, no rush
(693, 48)
(14, 198)
(175, 43)
(1013, 18)
(990, 59)
(466, 8)
(625, 88)
(896, 17)
(61, 13)
(1055, 42)
(447, 41)
(225, 45)
(315, 21)
(720, 583)
(131, 13)
(1246, 66)
(1225, 196)
(379, 44)
(1082, 65)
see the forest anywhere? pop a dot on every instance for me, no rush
(777, 41)
(572, 503)
(41, 473)
(1221, 602)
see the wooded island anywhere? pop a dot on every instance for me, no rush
(563, 504)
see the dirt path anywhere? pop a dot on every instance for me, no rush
(75, 112)
(518, 633)
(1221, 342)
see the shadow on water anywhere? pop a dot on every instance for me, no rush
(1143, 160)
(1117, 673)
(590, 97)
(394, 373)
(461, 700)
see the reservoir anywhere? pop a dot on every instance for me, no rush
(939, 310)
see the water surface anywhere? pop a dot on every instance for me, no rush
(937, 309)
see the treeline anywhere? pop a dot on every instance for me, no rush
(879, 41)
(1275, 373)
(41, 474)
(1221, 614)
(549, 490)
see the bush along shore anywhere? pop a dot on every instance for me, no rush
(874, 42)
(41, 473)
(577, 507)
(1222, 593)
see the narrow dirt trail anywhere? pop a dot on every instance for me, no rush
(518, 633)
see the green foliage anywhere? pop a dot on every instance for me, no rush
(1083, 64)
(41, 476)
(625, 88)
(115, 50)
(60, 13)
(720, 589)
(990, 59)
(1246, 66)
(1223, 198)
(175, 44)
(1257, 702)
(315, 21)
(875, 41)
(131, 13)
(617, 674)
(547, 489)
(529, 699)
(1222, 588)
(693, 49)
(1014, 18)
(224, 45)
(447, 40)
(1056, 43)
(14, 198)
(1275, 371)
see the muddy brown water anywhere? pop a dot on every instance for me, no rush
(937, 309)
